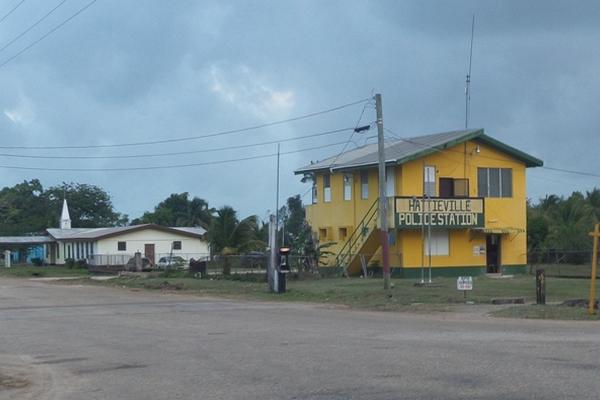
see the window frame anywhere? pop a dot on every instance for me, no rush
(437, 249)
(501, 189)
(326, 188)
(122, 244)
(177, 245)
(347, 187)
(429, 180)
(364, 185)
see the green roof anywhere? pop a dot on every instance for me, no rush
(403, 150)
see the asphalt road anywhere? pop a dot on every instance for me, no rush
(74, 342)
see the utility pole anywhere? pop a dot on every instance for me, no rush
(383, 225)
(277, 197)
(468, 81)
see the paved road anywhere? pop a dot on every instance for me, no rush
(74, 342)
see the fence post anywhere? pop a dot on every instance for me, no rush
(138, 261)
(540, 286)
(592, 301)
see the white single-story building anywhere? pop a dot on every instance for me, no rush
(118, 245)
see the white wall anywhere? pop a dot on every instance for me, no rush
(135, 241)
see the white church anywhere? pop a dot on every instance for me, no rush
(114, 245)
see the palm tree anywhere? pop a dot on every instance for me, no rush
(228, 234)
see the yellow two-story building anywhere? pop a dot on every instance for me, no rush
(456, 205)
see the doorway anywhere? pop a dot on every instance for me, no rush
(492, 251)
(149, 252)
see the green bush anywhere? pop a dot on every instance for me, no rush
(70, 263)
(38, 262)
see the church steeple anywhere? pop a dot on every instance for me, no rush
(65, 219)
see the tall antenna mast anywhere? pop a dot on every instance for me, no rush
(468, 84)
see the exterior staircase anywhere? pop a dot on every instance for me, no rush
(363, 240)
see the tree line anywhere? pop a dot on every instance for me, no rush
(558, 223)
(554, 223)
(28, 208)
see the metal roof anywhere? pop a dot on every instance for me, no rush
(25, 240)
(100, 233)
(404, 150)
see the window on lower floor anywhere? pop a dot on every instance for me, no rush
(177, 245)
(322, 233)
(440, 243)
(343, 233)
(121, 246)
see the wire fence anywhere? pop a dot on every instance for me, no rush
(562, 263)
(251, 264)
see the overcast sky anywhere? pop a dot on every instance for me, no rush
(136, 71)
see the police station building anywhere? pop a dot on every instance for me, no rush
(456, 202)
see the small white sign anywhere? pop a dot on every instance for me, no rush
(464, 283)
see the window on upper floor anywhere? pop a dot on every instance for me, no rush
(177, 245)
(494, 182)
(390, 181)
(314, 192)
(121, 246)
(364, 185)
(327, 188)
(348, 186)
(454, 187)
(429, 181)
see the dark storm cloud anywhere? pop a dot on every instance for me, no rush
(135, 71)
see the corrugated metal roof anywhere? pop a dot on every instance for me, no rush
(85, 233)
(196, 231)
(403, 150)
(29, 240)
(97, 233)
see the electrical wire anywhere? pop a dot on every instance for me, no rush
(569, 171)
(36, 23)
(11, 11)
(189, 138)
(157, 167)
(45, 35)
(178, 153)
(351, 135)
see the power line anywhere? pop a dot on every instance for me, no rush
(12, 10)
(351, 135)
(168, 166)
(36, 23)
(583, 173)
(183, 139)
(570, 171)
(45, 35)
(178, 153)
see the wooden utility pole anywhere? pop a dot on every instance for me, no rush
(596, 236)
(383, 225)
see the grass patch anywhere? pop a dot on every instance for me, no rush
(369, 293)
(31, 271)
(547, 312)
